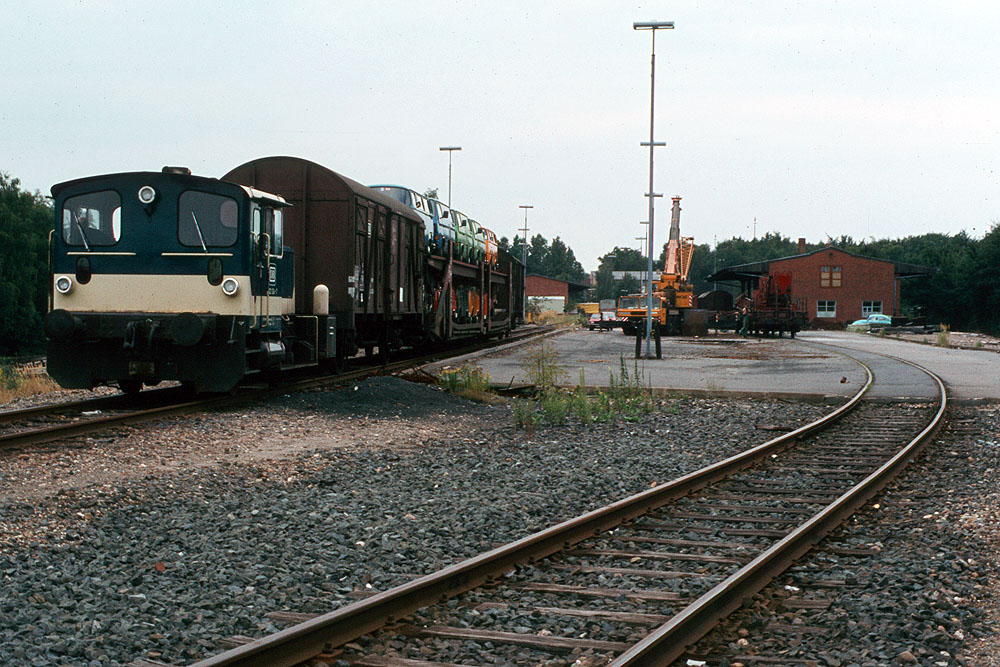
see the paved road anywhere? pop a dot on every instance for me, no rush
(969, 374)
(808, 367)
(722, 365)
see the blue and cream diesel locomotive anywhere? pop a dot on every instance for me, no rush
(281, 264)
(166, 276)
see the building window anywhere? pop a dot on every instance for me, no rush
(826, 309)
(870, 307)
(829, 276)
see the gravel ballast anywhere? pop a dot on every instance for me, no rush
(157, 541)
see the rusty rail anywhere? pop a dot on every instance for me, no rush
(99, 423)
(672, 639)
(307, 639)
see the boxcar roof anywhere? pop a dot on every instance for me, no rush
(328, 180)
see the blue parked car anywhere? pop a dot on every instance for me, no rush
(873, 321)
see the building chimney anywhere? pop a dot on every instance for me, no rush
(802, 246)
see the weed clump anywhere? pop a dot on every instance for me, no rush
(467, 381)
(943, 339)
(628, 397)
(542, 366)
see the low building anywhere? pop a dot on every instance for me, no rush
(832, 285)
(543, 286)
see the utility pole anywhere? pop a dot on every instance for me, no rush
(652, 26)
(524, 261)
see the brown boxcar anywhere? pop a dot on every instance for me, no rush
(365, 248)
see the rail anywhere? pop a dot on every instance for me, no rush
(307, 639)
(170, 406)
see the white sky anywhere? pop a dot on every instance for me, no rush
(877, 118)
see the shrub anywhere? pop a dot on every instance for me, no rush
(524, 415)
(541, 365)
(555, 406)
(581, 407)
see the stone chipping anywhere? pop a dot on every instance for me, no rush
(157, 541)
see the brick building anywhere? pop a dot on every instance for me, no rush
(543, 286)
(832, 285)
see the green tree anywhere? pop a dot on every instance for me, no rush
(985, 280)
(605, 282)
(625, 259)
(702, 266)
(628, 285)
(554, 260)
(25, 221)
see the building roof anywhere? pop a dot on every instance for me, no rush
(572, 285)
(755, 269)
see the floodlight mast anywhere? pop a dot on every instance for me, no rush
(450, 149)
(652, 26)
(524, 262)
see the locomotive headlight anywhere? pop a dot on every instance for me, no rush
(64, 284)
(147, 195)
(230, 286)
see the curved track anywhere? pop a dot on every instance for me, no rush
(649, 574)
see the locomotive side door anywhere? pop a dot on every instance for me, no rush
(266, 227)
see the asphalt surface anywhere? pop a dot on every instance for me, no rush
(971, 375)
(809, 367)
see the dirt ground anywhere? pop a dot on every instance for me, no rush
(957, 339)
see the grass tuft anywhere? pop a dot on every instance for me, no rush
(470, 382)
(943, 339)
(17, 383)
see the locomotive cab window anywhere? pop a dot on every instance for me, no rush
(206, 219)
(93, 219)
(273, 226)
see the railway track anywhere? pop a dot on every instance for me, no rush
(48, 423)
(636, 582)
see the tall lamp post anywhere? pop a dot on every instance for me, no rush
(652, 26)
(524, 262)
(450, 149)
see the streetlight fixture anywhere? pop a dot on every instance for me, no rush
(450, 149)
(652, 26)
(524, 262)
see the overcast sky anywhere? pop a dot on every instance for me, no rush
(870, 119)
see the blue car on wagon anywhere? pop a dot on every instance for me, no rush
(437, 221)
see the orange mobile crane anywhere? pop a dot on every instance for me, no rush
(672, 293)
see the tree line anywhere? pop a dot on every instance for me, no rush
(25, 221)
(553, 259)
(963, 291)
